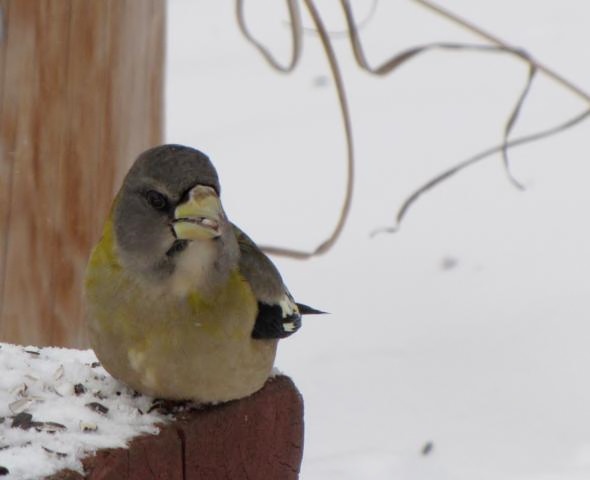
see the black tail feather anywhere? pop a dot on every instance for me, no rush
(307, 310)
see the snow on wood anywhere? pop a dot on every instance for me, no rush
(62, 416)
(59, 405)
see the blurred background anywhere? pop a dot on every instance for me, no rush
(456, 348)
(468, 328)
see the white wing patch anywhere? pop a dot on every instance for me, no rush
(289, 327)
(288, 306)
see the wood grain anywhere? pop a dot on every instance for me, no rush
(5, 158)
(80, 98)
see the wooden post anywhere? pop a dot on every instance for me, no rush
(256, 438)
(80, 96)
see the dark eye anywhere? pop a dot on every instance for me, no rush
(156, 200)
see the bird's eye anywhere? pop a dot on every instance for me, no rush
(156, 200)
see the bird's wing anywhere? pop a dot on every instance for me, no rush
(278, 314)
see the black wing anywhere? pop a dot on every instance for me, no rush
(270, 322)
(278, 315)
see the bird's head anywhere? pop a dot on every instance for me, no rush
(169, 202)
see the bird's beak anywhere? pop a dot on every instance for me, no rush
(199, 218)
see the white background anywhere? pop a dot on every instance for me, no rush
(488, 360)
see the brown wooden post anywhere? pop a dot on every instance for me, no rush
(256, 438)
(80, 96)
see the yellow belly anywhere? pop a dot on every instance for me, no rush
(171, 346)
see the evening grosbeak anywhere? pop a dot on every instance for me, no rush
(181, 304)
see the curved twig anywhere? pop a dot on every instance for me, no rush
(498, 41)
(345, 33)
(295, 19)
(512, 121)
(394, 62)
(475, 159)
(386, 68)
(400, 58)
(345, 209)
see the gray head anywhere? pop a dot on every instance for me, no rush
(169, 202)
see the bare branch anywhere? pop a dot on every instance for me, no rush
(388, 67)
(295, 21)
(345, 209)
(501, 46)
(498, 41)
(512, 121)
(397, 60)
(345, 33)
(409, 202)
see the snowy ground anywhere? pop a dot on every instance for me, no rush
(469, 328)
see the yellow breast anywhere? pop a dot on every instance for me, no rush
(173, 343)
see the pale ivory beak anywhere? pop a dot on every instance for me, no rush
(200, 216)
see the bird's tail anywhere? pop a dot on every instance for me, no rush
(307, 310)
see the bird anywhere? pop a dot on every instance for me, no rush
(180, 303)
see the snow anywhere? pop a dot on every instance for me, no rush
(485, 356)
(42, 383)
